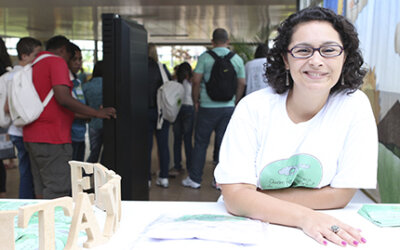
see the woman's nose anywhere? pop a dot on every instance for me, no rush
(316, 59)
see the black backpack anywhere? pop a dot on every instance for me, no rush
(223, 80)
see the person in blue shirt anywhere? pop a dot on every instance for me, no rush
(93, 91)
(79, 125)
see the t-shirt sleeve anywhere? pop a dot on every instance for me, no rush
(240, 67)
(358, 161)
(237, 159)
(200, 64)
(59, 72)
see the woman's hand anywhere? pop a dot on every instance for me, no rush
(318, 226)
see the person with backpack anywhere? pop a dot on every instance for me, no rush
(218, 84)
(48, 138)
(27, 49)
(155, 81)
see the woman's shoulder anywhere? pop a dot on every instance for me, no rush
(357, 97)
(355, 104)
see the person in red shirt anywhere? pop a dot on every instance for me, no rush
(48, 139)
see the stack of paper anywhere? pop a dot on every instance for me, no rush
(381, 215)
(204, 229)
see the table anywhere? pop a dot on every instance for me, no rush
(136, 215)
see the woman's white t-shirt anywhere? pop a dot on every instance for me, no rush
(187, 98)
(337, 147)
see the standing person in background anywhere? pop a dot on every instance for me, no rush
(5, 62)
(183, 126)
(308, 142)
(255, 68)
(211, 115)
(27, 49)
(154, 82)
(81, 75)
(93, 91)
(78, 130)
(48, 139)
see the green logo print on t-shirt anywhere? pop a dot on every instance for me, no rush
(301, 170)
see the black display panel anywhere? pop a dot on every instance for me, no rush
(125, 88)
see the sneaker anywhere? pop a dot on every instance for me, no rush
(187, 182)
(163, 182)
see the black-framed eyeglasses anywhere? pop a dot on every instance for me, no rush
(304, 52)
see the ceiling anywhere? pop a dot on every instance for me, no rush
(167, 21)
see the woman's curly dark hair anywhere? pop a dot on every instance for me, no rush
(352, 71)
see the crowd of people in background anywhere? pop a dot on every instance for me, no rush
(76, 110)
(199, 116)
(45, 146)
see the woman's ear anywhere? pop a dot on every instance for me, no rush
(285, 60)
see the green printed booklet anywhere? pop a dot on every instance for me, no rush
(381, 215)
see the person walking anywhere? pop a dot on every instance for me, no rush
(211, 114)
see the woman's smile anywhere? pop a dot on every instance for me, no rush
(315, 75)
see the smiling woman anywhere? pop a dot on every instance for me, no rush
(299, 145)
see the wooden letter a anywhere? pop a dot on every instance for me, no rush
(84, 219)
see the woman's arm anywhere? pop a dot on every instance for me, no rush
(323, 198)
(245, 200)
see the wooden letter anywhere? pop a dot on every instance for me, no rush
(46, 219)
(7, 230)
(111, 196)
(84, 219)
(101, 176)
(78, 182)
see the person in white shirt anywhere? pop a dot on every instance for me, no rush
(255, 77)
(27, 48)
(308, 142)
(183, 125)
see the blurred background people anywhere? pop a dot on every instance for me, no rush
(27, 49)
(255, 70)
(93, 91)
(154, 82)
(78, 129)
(183, 126)
(5, 62)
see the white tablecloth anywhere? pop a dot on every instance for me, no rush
(137, 215)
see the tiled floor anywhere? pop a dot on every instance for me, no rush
(175, 192)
